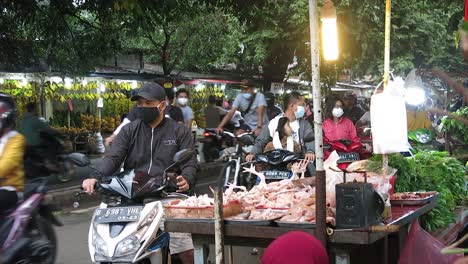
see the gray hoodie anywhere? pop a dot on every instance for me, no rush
(306, 138)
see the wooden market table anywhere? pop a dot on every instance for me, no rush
(340, 242)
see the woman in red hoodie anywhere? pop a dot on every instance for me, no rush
(336, 126)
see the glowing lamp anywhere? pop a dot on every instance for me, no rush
(329, 31)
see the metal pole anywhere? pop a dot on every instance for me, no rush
(388, 10)
(320, 205)
(219, 225)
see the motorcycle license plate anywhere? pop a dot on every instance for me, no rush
(348, 157)
(276, 175)
(117, 214)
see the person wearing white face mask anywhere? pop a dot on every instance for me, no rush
(302, 131)
(252, 106)
(336, 126)
(182, 97)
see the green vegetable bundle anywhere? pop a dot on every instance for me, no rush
(432, 171)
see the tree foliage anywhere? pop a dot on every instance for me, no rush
(259, 37)
(182, 35)
(421, 36)
(62, 35)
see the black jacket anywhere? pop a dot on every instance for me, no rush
(150, 150)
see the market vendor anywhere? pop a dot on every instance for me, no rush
(417, 118)
(336, 126)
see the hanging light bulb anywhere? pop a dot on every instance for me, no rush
(329, 31)
(134, 84)
(199, 87)
(24, 82)
(2, 80)
(68, 83)
(223, 87)
(84, 82)
(56, 79)
(102, 87)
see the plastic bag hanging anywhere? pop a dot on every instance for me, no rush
(388, 119)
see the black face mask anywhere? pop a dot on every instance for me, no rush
(148, 114)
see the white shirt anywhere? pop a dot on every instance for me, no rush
(273, 126)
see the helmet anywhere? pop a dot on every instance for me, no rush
(7, 111)
(350, 96)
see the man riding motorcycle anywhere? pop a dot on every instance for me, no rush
(149, 144)
(12, 146)
(41, 144)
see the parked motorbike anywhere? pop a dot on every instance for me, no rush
(212, 145)
(347, 150)
(126, 226)
(37, 164)
(276, 164)
(26, 232)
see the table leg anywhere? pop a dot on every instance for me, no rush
(402, 236)
(230, 256)
(385, 250)
(342, 257)
(199, 253)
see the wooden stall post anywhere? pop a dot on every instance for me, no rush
(320, 204)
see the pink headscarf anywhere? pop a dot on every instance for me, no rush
(295, 247)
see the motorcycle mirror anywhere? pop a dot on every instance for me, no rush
(183, 155)
(261, 158)
(79, 159)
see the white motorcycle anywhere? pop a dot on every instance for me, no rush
(126, 226)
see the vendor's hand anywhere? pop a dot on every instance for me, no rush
(182, 184)
(109, 140)
(309, 156)
(257, 131)
(218, 130)
(250, 157)
(88, 185)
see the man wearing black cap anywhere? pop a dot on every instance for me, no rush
(148, 144)
(171, 111)
(351, 109)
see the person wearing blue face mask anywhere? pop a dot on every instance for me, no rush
(252, 105)
(302, 131)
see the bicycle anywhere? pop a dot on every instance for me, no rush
(235, 160)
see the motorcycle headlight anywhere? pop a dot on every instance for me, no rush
(100, 245)
(127, 246)
(148, 219)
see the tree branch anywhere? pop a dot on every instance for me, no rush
(151, 39)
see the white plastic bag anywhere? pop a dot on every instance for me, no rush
(388, 119)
